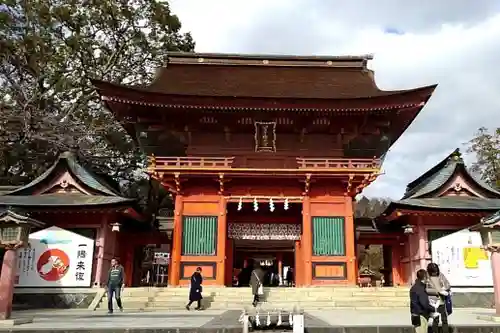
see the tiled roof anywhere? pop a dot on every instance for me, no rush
(271, 76)
(68, 161)
(431, 181)
(61, 200)
(491, 220)
(267, 81)
(464, 203)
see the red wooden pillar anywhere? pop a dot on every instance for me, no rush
(306, 243)
(298, 267)
(279, 258)
(128, 258)
(229, 262)
(221, 242)
(175, 262)
(350, 236)
(397, 268)
(7, 283)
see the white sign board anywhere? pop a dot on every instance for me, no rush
(55, 258)
(461, 259)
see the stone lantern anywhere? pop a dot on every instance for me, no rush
(14, 233)
(489, 228)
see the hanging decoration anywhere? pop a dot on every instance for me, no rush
(272, 200)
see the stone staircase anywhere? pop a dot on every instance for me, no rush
(307, 298)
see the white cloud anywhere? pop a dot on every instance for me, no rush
(452, 43)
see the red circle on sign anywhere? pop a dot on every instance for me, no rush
(52, 265)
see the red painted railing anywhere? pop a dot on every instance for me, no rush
(162, 163)
(337, 163)
(190, 162)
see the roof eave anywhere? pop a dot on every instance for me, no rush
(109, 92)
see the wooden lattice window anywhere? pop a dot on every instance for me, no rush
(199, 235)
(328, 236)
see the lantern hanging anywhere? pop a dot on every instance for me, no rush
(255, 204)
(240, 204)
(285, 205)
(271, 205)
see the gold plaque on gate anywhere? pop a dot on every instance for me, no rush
(265, 136)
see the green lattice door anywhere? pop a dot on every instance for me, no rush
(328, 236)
(199, 235)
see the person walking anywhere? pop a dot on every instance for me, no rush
(289, 277)
(115, 285)
(420, 308)
(256, 282)
(195, 289)
(438, 289)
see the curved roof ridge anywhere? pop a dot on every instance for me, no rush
(440, 174)
(432, 170)
(87, 177)
(226, 58)
(110, 89)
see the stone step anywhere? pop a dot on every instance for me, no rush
(291, 293)
(271, 306)
(382, 289)
(150, 299)
(276, 304)
(133, 293)
(284, 296)
(133, 299)
(273, 298)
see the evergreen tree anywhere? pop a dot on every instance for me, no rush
(49, 49)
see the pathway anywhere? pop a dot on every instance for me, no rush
(217, 320)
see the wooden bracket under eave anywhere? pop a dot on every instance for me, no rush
(367, 180)
(177, 180)
(151, 162)
(173, 184)
(394, 216)
(350, 183)
(364, 183)
(222, 181)
(307, 184)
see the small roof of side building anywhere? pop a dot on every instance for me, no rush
(447, 187)
(68, 185)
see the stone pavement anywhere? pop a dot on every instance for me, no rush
(396, 317)
(212, 321)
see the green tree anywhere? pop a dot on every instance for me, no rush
(486, 146)
(49, 49)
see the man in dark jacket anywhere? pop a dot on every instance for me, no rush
(420, 308)
(114, 286)
(257, 283)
